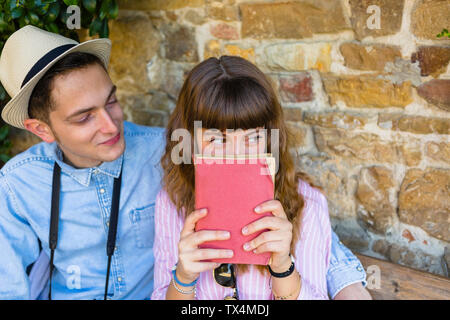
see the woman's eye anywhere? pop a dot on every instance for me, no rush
(112, 102)
(216, 140)
(254, 139)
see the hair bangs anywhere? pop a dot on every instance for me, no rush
(238, 103)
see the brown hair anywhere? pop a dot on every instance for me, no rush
(41, 102)
(232, 93)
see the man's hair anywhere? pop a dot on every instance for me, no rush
(41, 103)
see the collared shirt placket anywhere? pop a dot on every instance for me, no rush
(104, 190)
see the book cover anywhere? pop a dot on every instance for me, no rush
(230, 189)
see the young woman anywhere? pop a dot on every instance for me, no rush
(232, 93)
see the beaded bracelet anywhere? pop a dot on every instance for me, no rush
(193, 290)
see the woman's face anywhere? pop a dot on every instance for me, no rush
(232, 142)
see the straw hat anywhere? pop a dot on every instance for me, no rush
(26, 57)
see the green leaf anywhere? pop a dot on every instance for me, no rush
(42, 9)
(113, 11)
(52, 27)
(86, 19)
(104, 9)
(4, 132)
(95, 27)
(71, 2)
(24, 21)
(3, 23)
(90, 5)
(104, 31)
(12, 5)
(17, 12)
(2, 93)
(33, 17)
(53, 12)
(4, 158)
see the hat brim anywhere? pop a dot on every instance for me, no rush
(16, 111)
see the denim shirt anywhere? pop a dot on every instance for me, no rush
(80, 258)
(345, 268)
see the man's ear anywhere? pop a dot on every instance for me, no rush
(39, 128)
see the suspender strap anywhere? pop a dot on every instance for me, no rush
(113, 219)
(54, 221)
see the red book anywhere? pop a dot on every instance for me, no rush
(231, 189)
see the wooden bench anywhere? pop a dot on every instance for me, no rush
(403, 283)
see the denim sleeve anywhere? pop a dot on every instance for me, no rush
(18, 246)
(345, 268)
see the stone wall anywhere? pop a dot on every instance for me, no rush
(368, 101)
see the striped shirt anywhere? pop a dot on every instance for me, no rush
(312, 254)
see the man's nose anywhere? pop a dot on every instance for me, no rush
(107, 125)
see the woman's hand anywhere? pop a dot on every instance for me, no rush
(190, 257)
(277, 240)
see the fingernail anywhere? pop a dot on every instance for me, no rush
(226, 234)
(247, 246)
(230, 253)
(244, 230)
(203, 211)
(258, 209)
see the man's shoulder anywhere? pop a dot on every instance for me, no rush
(135, 130)
(144, 143)
(39, 155)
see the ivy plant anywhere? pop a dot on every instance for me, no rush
(5, 145)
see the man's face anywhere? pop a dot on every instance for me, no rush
(87, 121)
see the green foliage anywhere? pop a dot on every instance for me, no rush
(5, 145)
(444, 33)
(52, 16)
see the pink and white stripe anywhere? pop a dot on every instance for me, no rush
(312, 253)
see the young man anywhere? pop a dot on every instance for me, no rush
(62, 93)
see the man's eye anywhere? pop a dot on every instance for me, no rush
(84, 119)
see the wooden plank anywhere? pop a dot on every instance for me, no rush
(403, 283)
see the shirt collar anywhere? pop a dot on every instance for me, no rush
(83, 176)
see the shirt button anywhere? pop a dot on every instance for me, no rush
(359, 268)
(119, 279)
(107, 223)
(102, 190)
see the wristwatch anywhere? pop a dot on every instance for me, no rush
(286, 273)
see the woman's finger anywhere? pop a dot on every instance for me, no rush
(191, 221)
(271, 246)
(199, 237)
(268, 236)
(273, 206)
(208, 254)
(270, 223)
